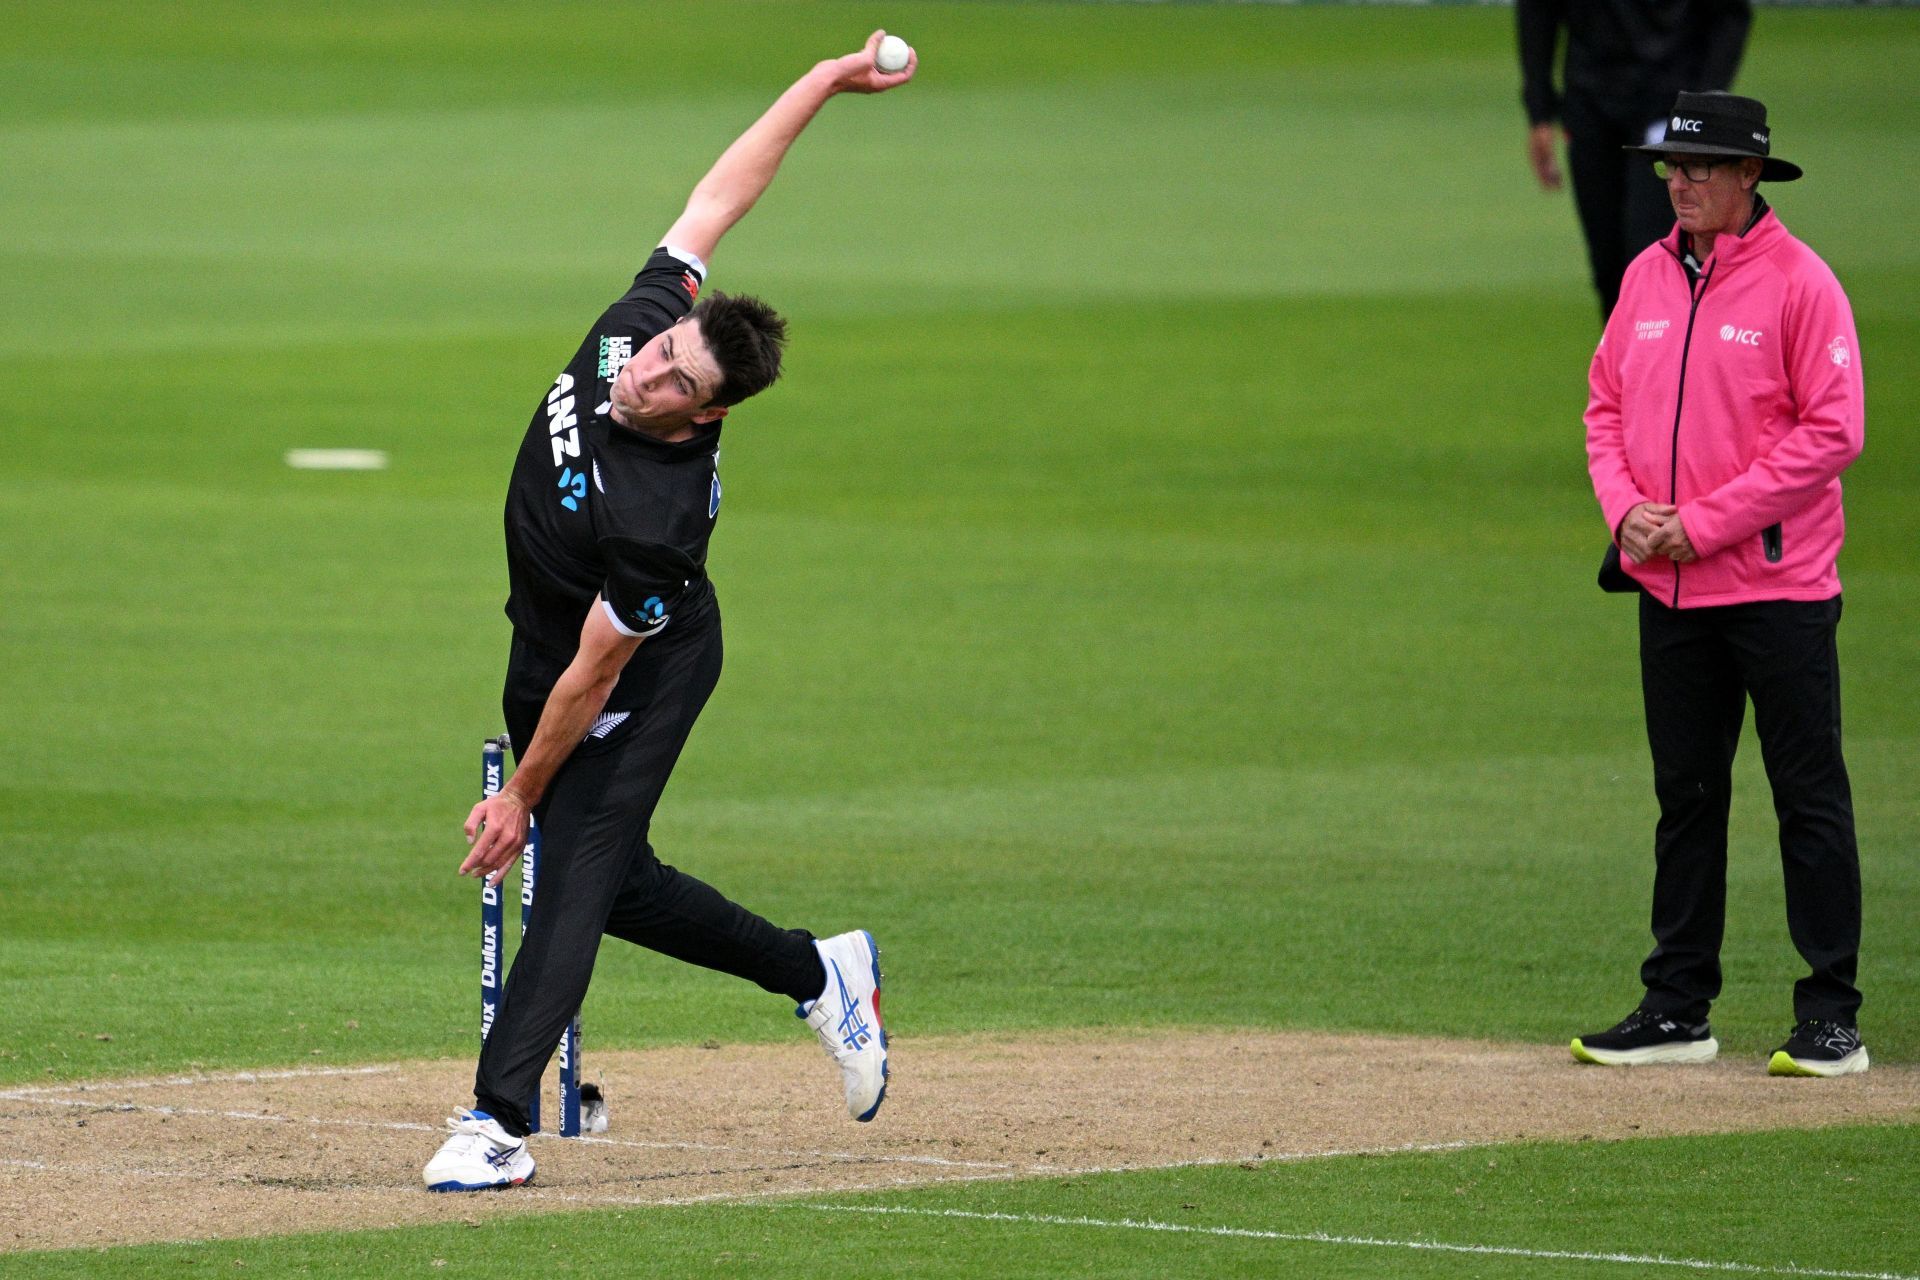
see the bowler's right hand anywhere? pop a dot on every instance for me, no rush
(855, 73)
(497, 830)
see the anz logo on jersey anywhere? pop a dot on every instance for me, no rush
(563, 432)
(713, 494)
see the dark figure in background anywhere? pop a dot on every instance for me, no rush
(1625, 62)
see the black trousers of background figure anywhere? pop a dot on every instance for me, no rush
(1623, 206)
(598, 874)
(1698, 668)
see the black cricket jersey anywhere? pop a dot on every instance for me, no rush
(598, 509)
(1626, 59)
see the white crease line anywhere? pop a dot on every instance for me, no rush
(1322, 1237)
(1003, 1172)
(756, 1197)
(765, 1152)
(231, 1077)
(1264, 1157)
(939, 1161)
(777, 1193)
(1058, 1171)
(1006, 1175)
(267, 1117)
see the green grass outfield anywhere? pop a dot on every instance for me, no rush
(1160, 594)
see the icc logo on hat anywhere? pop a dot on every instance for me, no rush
(1719, 124)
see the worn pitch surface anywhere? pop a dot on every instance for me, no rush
(115, 1162)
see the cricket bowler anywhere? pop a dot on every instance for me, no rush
(616, 648)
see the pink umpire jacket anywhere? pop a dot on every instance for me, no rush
(1740, 401)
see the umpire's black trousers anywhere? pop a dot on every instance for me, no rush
(598, 873)
(1698, 667)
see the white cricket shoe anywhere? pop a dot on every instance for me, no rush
(478, 1156)
(846, 1017)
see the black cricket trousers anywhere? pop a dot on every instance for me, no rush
(1698, 667)
(598, 873)
(1623, 206)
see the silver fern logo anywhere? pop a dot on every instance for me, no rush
(607, 723)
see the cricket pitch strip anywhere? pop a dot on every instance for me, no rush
(244, 1154)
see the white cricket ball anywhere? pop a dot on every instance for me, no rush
(892, 55)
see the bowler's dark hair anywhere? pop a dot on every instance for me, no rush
(745, 336)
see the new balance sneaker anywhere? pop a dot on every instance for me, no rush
(846, 1017)
(1819, 1048)
(1644, 1038)
(478, 1156)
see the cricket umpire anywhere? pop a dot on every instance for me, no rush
(616, 647)
(1625, 59)
(1726, 399)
